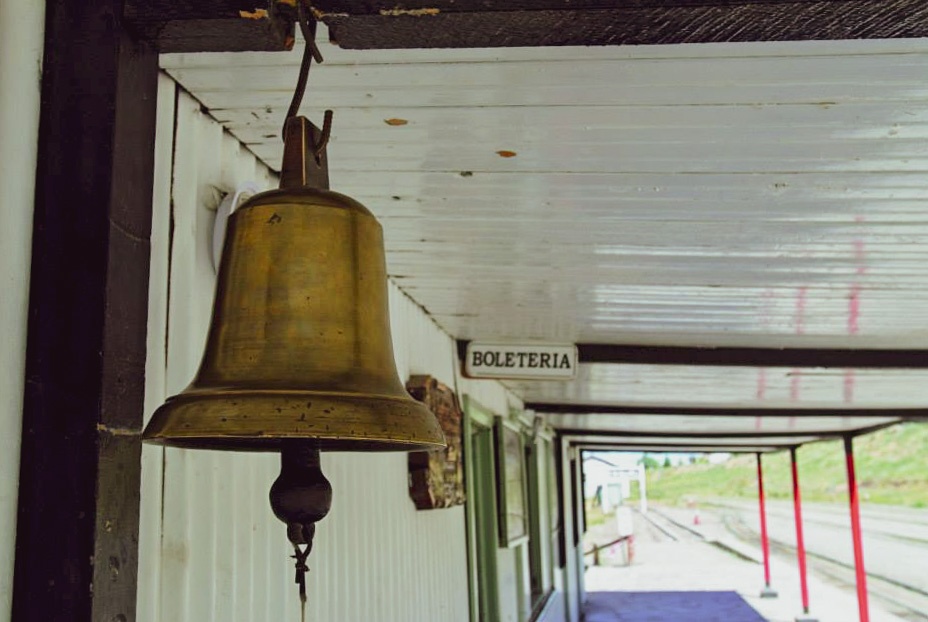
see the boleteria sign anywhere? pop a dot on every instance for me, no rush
(536, 361)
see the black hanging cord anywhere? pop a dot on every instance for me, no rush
(301, 570)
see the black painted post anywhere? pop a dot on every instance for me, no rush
(77, 539)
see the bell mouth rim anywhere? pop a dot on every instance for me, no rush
(259, 420)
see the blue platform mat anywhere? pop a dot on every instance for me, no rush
(668, 607)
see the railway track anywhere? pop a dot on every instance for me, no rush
(655, 526)
(900, 598)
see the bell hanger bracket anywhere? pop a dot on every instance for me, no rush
(305, 164)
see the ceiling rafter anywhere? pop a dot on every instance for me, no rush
(709, 434)
(845, 358)
(698, 445)
(689, 448)
(373, 24)
(909, 414)
(267, 25)
(841, 358)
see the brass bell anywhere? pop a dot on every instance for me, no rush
(299, 357)
(299, 347)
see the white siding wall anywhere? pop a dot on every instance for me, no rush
(512, 566)
(512, 563)
(210, 547)
(573, 570)
(21, 39)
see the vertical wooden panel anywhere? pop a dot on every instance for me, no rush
(148, 605)
(543, 458)
(182, 346)
(83, 403)
(21, 28)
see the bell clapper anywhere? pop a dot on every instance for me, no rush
(300, 497)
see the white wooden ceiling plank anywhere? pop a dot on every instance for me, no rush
(441, 290)
(438, 214)
(683, 75)
(400, 264)
(830, 317)
(690, 194)
(755, 236)
(773, 190)
(441, 211)
(651, 158)
(335, 55)
(811, 184)
(846, 120)
(622, 245)
(381, 139)
(388, 102)
(724, 425)
(485, 328)
(727, 387)
(874, 272)
(482, 164)
(825, 314)
(672, 328)
(482, 326)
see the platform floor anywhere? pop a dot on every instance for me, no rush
(663, 606)
(702, 567)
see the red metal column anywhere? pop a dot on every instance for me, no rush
(800, 543)
(767, 592)
(862, 603)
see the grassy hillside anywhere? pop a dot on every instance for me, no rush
(892, 468)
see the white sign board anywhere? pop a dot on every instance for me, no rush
(520, 361)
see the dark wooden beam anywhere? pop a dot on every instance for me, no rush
(697, 446)
(757, 438)
(754, 357)
(77, 537)
(688, 448)
(213, 25)
(838, 358)
(371, 24)
(604, 409)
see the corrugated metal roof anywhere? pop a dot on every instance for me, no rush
(766, 195)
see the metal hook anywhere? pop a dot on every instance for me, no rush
(310, 53)
(319, 147)
(308, 28)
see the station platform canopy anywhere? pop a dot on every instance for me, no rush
(728, 215)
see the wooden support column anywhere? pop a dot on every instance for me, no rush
(767, 592)
(77, 538)
(800, 541)
(860, 570)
